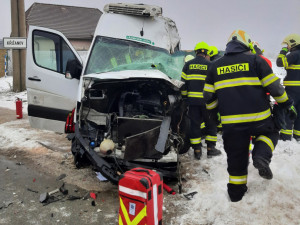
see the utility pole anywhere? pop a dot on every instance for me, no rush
(18, 29)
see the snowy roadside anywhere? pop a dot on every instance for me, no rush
(8, 97)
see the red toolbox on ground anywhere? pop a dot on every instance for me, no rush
(141, 197)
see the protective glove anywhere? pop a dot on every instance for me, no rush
(214, 115)
(279, 117)
(284, 51)
(292, 112)
(280, 111)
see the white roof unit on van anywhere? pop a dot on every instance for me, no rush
(133, 9)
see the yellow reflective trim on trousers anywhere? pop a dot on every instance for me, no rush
(267, 140)
(195, 141)
(237, 82)
(212, 105)
(291, 83)
(296, 132)
(209, 88)
(293, 67)
(137, 219)
(282, 98)
(269, 79)
(243, 118)
(195, 77)
(184, 93)
(287, 132)
(195, 94)
(211, 138)
(238, 179)
(183, 75)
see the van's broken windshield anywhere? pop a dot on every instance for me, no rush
(109, 54)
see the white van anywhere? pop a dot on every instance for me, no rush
(123, 104)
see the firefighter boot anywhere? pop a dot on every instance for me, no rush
(212, 151)
(263, 168)
(198, 153)
(236, 192)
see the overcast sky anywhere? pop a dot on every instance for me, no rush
(266, 21)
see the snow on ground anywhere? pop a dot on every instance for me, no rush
(275, 201)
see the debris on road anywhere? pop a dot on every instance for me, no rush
(28, 189)
(190, 195)
(60, 177)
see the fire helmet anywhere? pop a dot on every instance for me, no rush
(202, 46)
(213, 50)
(240, 36)
(292, 40)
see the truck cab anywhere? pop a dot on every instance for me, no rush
(124, 102)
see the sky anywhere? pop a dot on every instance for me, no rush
(266, 21)
(266, 202)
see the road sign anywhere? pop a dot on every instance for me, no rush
(15, 43)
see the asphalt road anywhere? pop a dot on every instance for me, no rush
(24, 179)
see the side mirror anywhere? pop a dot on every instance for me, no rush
(73, 69)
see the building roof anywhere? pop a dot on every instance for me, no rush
(73, 22)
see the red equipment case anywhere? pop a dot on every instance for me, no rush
(141, 197)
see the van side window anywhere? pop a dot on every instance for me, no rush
(50, 51)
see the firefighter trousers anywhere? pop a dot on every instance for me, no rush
(236, 145)
(292, 127)
(198, 114)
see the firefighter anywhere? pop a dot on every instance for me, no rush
(257, 50)
(235, 87)
(214, 53)
(289, 58)
(193, 75)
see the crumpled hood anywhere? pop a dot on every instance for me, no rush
(235, 47)
(129, 74)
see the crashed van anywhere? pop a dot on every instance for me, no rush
(122, 106)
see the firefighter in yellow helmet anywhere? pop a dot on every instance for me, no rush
(235, 87)
(214, 53)
(193, 75)
(289, 58)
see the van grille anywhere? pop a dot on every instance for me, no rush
(137, 10)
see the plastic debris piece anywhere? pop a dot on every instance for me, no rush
(44, 197)
(72, 197)
(28, 189)
(190, 195)
(100, 176)
(93, 203)
(62, 176)
(93, 195)
(63, 190)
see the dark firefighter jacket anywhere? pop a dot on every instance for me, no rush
(291, 62)
(236, 86)
(193, 75)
